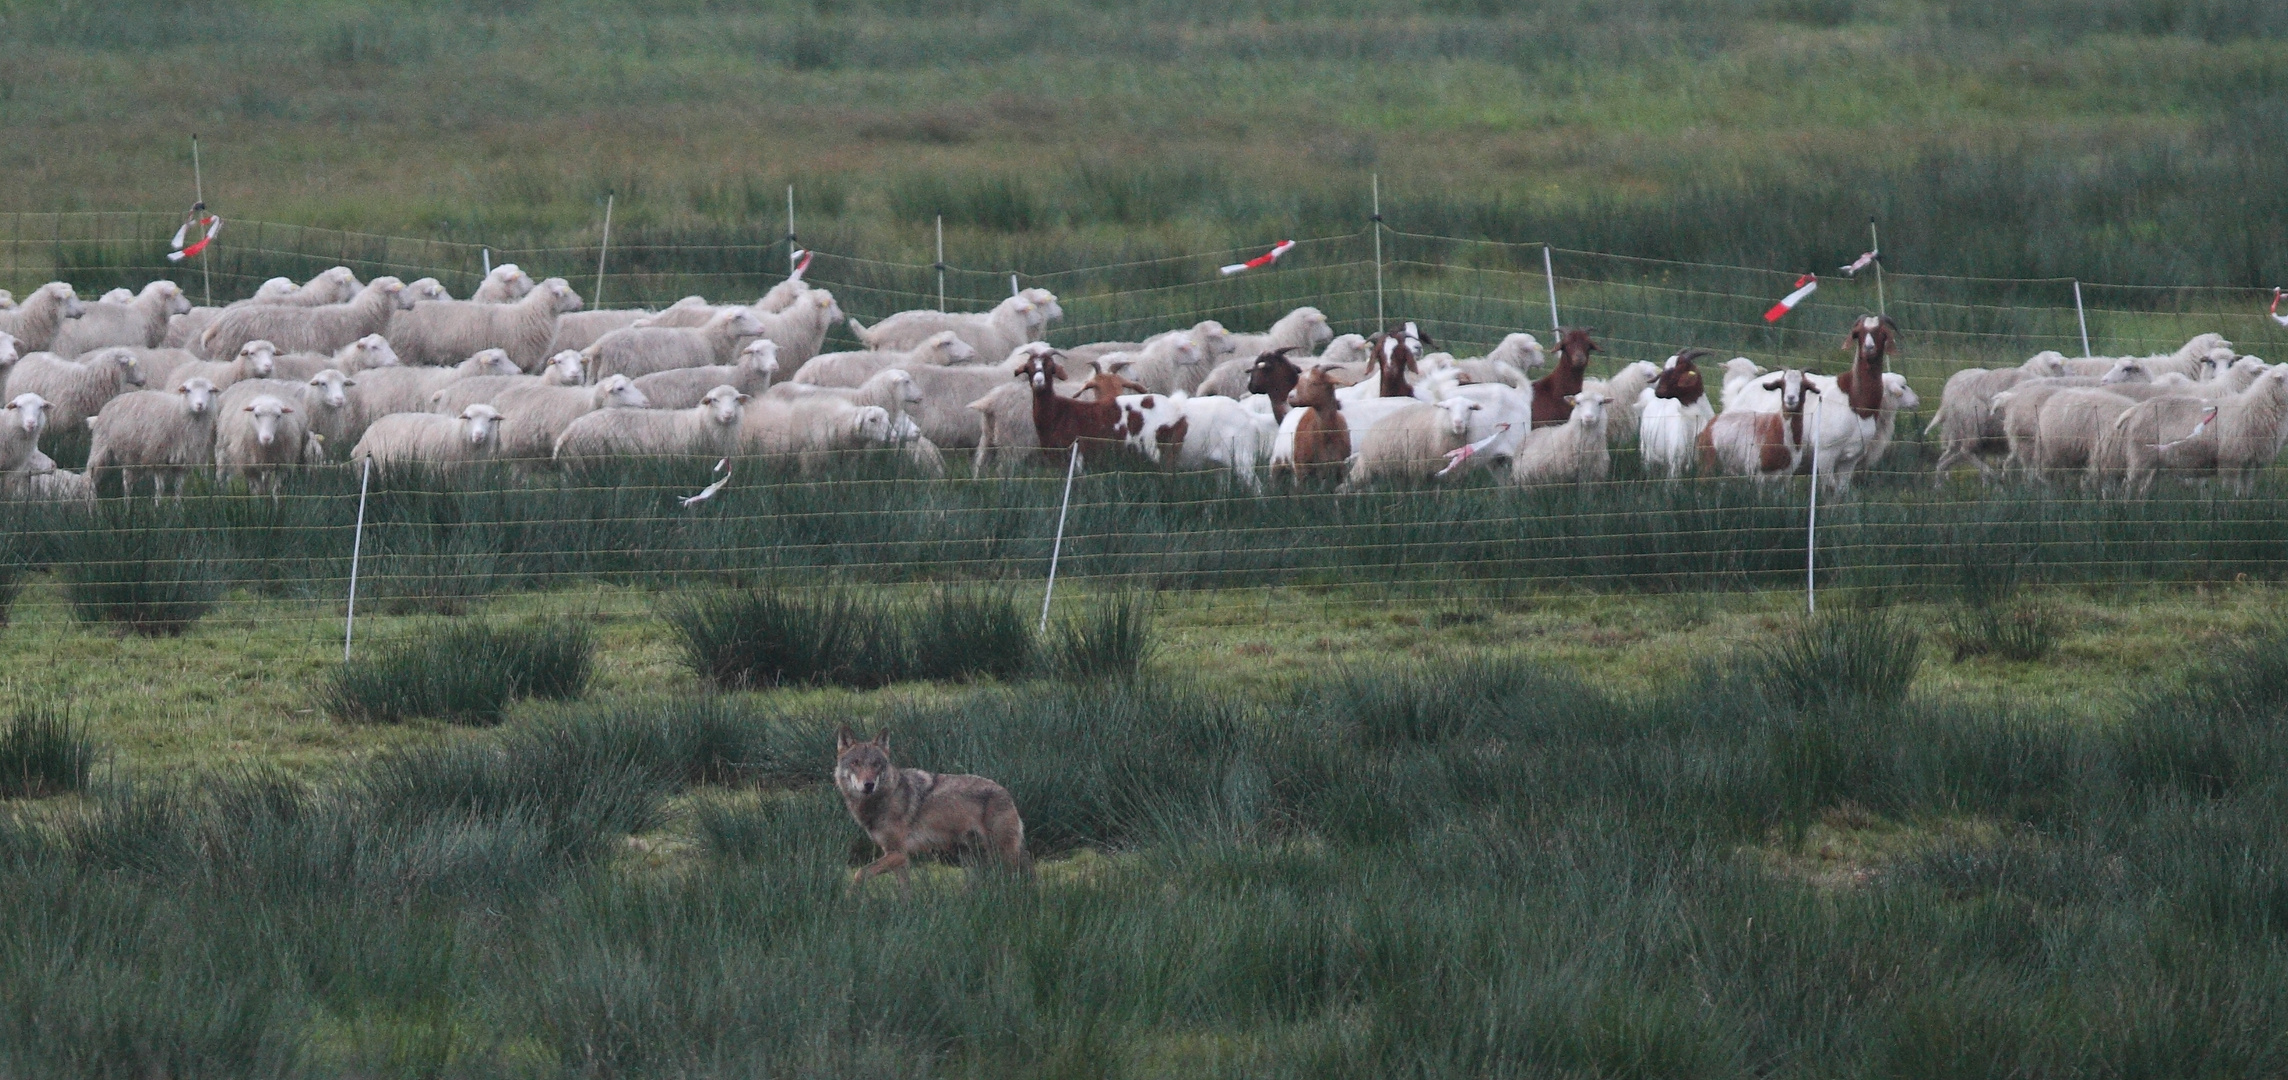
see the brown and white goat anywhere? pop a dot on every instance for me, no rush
(1767, 446)
(1322, 437)
(1873, 337)
(1063, 421)
(1274, 376)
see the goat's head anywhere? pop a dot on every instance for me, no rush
(1573, 348)
(1792, 387)
(1273, 373)
(1873, 337)
(1040, 366)
(1316, 389)
(1679, 378)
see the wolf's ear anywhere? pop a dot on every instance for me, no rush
(882, 738)
(844, 739)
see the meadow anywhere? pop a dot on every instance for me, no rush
(1460, 781)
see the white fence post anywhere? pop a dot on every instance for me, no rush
(1549, 274)
(1376, 180)
(2081, 317)
(1811, 527)
(1058, 551)
(941, 262)
(357, 547)
(604, 247)
(1875, 244)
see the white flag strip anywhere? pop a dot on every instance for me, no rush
(1265, 259)
(2276, 316)
(1804, 287)
(1852, 268)
(1461, 455)
(213, 224)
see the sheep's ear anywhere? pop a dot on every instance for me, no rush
(1572, 399)
(741, 398)
(285, 408)
(179, 390)
(347, 383)
(250, 408)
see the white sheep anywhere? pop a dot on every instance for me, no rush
(406, 388)
(1572, 452)
(577, 330)
(563, 370)
(682, 388)
(505, 284)
(338, 285)
(800, 330)
(999, 332)
(643, 350)
(155, 434)
(2020, 407)
(942, 349)
(41, 317)
(308, 329)
(1214, 342)
(1968, 426)
(329, 409)
(259, 440)
(402, 439)
(370, 351)
(781, 296)
(1624, 390)
(76, 388)
(7, 300)
(709, 429)
(2234, 436)
(1510, 363)
(893, 391)
(255, 360)
(812, 428)
(445, 331)
(140, 322)
(48, 484)
(2194, 359)
(1164, 366)
(535, 415)
(185, 330)
(1412, 442)
(1203, 432)
(1303, 329)
(22, 422)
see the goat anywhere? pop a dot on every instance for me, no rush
(1552, 392)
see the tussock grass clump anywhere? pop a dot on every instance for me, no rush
(1111, 638)
(42, 752)
(467, 674)
(774, 636)
(1992, 618)
(16, 567)
(1864, 657)
(141, 569)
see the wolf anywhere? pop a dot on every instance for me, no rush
(910, 812)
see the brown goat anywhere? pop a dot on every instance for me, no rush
(1873, 337)
(1322, 437)
(1396, 356)
(1680, 380)
(1553, 392)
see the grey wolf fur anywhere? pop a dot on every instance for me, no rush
(909, 812)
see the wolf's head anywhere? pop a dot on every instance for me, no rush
(862, 766)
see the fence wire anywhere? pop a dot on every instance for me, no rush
(443, 542)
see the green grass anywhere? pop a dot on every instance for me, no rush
(465, 673)
(774, 636)
(43, 752)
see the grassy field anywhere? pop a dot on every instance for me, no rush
(1321, 836)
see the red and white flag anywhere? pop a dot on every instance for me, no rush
(1804, 286)
(801, 259)
(1852, 268)
(213, 225)
(2276, 316)
(1265, 259)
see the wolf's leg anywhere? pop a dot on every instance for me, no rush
(895, 860)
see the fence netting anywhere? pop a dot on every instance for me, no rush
(442, 541)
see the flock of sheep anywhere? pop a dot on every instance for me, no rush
(399, 374)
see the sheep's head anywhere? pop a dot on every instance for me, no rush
(10, 351)
(1045, 308)
(511, 280)
(561, 298)
(61, 295)
(724, 404)
(902, 386)
(480, 423)
(1589, 407)
(1458, 410)
(1316, 330)
(2047, 364)
(332, 387)
(740, 321)
(1873, 337)
(565, 368)
(1344, 349)
(7, 300)
(490, 362)
(2129, 370)
(1741, 369)
(130, 369)
(116, 296)
(198, 395)
(427, 288)
(1211, 337)
(760, 355)
(275, 288)
(822, 306)
(946, 347)
(29, 412)
(1897, 394)
(1526, 349)
(339, 283)
(259, 358)
(267, 411)
(177, 303)
(370, 351)
(620, 392)
(872, 425)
